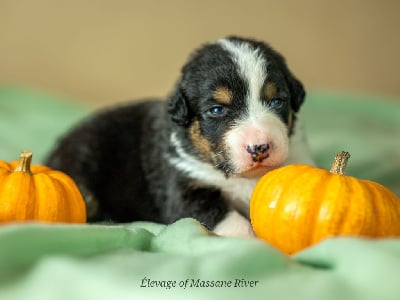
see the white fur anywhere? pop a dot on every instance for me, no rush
(234, 225)
(251, 65)
(259, 125)
(299, 150)
(238, 189)
(257, 129)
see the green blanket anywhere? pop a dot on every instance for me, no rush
(182, 260)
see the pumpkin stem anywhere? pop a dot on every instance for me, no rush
(24, 164)
(340, 162)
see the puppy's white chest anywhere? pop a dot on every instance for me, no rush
(238, 192)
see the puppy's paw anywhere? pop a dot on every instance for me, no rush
(234, 225)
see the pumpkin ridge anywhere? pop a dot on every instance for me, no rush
(276, 236)
(390, 212)
(46, 187)
(370, 196)
(6, 207)
(293, 177)
(5, 168)
(348, 207)
(324, 177)
(76, 204)
(376, 208)
(255, 206)
(17, 204)
(67, 203)
(302, 179)
(70, 203)
(30, 207)
(36, 169)
(260, 206)
(30, 193)
(296, 207)
(350, 210)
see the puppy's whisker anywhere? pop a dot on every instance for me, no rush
(223, 164)
(228, 171)
(220, 159)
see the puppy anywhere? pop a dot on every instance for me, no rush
(231, 118)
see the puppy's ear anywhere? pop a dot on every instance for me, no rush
(297, 93)
(178, 107)
(296, 89)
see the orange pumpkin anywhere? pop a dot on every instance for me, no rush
(38, 193)
(296, 206)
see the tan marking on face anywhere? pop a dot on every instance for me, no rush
(199, 141)
(223, 95)
(270, 90)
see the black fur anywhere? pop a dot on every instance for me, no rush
(280, 73)
(119, 157)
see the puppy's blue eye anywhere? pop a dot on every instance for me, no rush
(276, 103)
(217, 111)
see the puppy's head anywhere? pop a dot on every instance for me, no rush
(234, 107)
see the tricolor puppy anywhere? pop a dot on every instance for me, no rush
(230, 119)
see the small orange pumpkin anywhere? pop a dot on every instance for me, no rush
(296, 206)
(38, 193)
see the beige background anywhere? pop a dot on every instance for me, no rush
(106, 51)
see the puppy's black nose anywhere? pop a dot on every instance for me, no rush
(258, 152)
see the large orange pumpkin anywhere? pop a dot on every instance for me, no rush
(38, 193)
(296, 206)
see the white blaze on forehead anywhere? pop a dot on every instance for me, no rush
(259, 125)
(252, 67)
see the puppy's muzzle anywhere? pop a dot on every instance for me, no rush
(258, 152)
